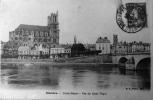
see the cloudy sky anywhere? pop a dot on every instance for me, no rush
(87, 19)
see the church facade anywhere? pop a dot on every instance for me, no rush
(31, 35)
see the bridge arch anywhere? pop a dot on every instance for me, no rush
(144, 64)
(122, 60)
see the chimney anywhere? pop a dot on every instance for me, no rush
(105, 38)
(140, 42)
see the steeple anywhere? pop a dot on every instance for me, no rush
(53, 18)
(75, 39)
(115, 39)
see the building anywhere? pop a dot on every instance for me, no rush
(140, 47)
(90, 46)
(37, 51)
(67, 52)
(77, 50)
(122, 48)
(23, 52)
(2, 46)
(10, 50)
(115, 39)
(61, 51)
(103, 44)
(34, 52)
(44, 51)
(146, 47)
(56, 52)
(133, 47)
(114, 46)
(34, 34)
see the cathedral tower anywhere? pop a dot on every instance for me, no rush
(115, 39)
(53, 26)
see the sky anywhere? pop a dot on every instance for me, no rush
(87, 19)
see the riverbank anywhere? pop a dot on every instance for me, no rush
(84, 59)
(74, 61)
(54, 63)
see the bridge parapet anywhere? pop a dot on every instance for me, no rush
(135, 53)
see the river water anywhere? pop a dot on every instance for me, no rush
(60, 77)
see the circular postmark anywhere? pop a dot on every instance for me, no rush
(131, 17)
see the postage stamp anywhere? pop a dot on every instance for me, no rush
(131, 17)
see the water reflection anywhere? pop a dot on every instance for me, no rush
(45, 76)
(77, 77)
(146, 78)
(34, 75)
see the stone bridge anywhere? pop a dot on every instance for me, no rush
(141, 60)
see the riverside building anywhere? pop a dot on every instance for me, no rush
(103, 44)
(122, 48)
(140, 47)
(2, 46)
(10, 50)
(63, 51)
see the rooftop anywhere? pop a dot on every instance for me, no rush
(63, 46)
(10, 45)
(102, 40)
(24, 48)
(32, 27)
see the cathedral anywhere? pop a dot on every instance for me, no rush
(31, 35)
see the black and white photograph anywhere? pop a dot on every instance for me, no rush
(76, 49)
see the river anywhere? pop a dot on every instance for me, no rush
(60, 77)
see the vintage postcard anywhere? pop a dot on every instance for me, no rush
(76, 49)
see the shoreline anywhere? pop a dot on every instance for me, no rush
(78, 60)
(57, 63)
(92, 60)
